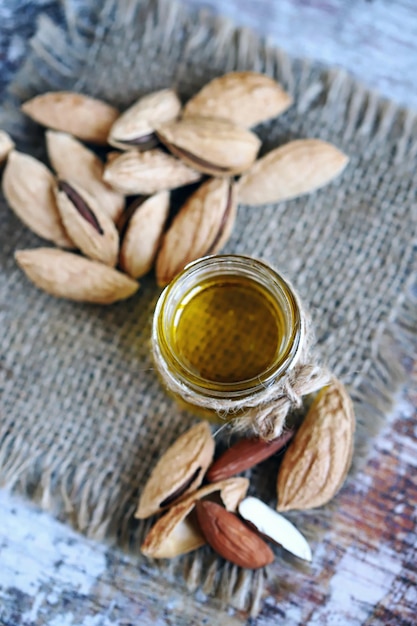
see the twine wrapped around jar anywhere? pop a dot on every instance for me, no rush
(263, 405)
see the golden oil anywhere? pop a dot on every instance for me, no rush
(224, 329)
(228, 330)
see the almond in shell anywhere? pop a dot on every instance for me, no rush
(294, 169)
(180, 470)
(84, 117)
(177, 531)
(6, 145)
(148, 172)
(28, 188)
(74, 162)
(135, 127)
(68, 275)
(318, 459)
(211, 146)
(142, 234)
(202, 226)
(231, 537)
(244, 98)
(90, 228)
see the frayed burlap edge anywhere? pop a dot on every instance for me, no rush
(58, 55)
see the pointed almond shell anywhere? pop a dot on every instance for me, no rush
(84, 117)
(143, 235)
(68, 275)
(244, 98)
(180, 470)
(28, 189)
(296, 168)
(6, 145)
(212, 146)
(318, 459)
(94, 233)
(137, 124)
(148, 172)
(201, 227)
(72, 161)
(177, 533)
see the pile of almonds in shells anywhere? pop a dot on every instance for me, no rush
(200, 501)
(102, 246)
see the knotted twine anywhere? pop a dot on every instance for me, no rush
(264, 412)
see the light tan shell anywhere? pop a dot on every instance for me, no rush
(177, 533)
(202, 226)
(82, 116)
(28, 189)
(68, 275)
(100, 244)
(6, 145)
(143, 235)
(183, 465)
(244, 98)
(148, 172)
(318, 459)
(140, 119)
(296, 168)
(211, 146)
(73, 162)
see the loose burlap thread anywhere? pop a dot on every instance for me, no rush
(83, 415)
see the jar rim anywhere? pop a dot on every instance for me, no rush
(261, 273)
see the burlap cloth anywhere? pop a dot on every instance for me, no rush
(83, 416)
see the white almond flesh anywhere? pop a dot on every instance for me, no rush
(274, 526)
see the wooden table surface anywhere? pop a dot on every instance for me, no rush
(364, 571)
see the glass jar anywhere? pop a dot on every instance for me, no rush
(224, 330)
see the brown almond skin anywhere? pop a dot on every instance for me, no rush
(232, 538)
(244, 454)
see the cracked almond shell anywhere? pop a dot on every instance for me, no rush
(318, 459)
(244, 98)
(68, 275)
(74, 162)
(84, 117)
(202, 226)
(146, 173)
(135, 127)
(176, 532)
(211, 146)
(28, 188)
(180, 470)
(90, 228)
(294, 169)
(142, 235)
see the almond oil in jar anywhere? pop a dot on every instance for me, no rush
(224, 329)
